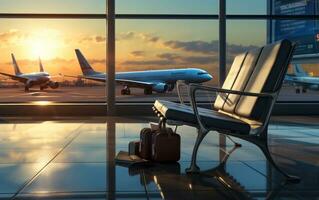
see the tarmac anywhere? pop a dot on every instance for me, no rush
(98, 94)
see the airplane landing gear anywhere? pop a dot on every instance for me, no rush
(297, 91)
(171, 87)
(148, 91)
(304, 90)
(126, 91)
(26, 89)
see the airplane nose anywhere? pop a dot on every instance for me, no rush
(209, 77)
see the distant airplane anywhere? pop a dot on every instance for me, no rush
(41, 78)
(301, 80)
(159, 81)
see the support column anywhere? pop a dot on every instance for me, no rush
(222, 64)
(222, 41)
(110, 56)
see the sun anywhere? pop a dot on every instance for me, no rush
(44, 43)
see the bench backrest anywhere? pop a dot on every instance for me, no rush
(260, 70)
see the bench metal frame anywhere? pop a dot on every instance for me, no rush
(257, 136)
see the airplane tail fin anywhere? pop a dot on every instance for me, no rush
(15, 65)
(41, 66)
(299, 71)
(84, 64)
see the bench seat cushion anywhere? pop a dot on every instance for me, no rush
(212, 119)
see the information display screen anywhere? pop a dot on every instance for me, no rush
(304, 32)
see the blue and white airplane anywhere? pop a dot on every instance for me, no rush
(159, 81)
(301, 80)
(42, 78)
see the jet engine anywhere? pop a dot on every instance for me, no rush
(314, 87)
(160, 87)
(29, 84)
(53, 85)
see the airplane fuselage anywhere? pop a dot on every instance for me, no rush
(36, 78)
(302, 83)
(168, 76)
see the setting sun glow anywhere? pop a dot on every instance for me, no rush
(44, 43)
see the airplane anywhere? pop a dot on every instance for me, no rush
(42, 78)
(159, 81)
(301, 80)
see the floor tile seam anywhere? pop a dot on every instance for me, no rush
(27, 183)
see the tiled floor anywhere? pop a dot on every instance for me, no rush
(73, 159)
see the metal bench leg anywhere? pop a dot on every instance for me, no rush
(194, 168)
(290, 178)
(262, 143)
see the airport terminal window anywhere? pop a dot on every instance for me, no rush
(147, 45)
(177, 37)
(166, 7)
(244, 7)
(56, 6)
(54, 41)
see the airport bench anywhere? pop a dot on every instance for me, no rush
(243, 105)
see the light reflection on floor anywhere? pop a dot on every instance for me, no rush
(70, 159)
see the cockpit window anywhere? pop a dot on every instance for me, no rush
(201, 73)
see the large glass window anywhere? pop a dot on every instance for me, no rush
(246, 7)
(143, 46)
(166, 7)
(56, 6)
(54, 42)
(150, 35)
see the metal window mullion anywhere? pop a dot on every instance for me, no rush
(110, 55)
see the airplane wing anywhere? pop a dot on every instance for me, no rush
(138, 84)
(302, 82)
(131, 83)
(14, 77)
(87, 77)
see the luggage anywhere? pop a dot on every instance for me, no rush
(145, 147)
(159, 144)
(166, 145)
(133, 148)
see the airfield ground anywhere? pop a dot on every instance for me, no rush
(97, 94)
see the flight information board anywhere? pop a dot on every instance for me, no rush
(304, 32)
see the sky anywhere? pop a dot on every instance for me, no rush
(140, 44)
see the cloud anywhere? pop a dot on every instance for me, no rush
(99, 39)
(149, 37)
(11, 36)
(126, 35)
(155, 62)
(97, 61)
(169, 56)
(193, 46)
(137, 53)
(205, 47)
(146, 37)
(165, 59)
(94, 38)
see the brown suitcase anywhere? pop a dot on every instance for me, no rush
(133, 148)
(166, 146)
(145, 147)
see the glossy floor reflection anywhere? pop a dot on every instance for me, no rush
(73, 159)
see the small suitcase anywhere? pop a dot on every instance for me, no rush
(166, 146)
(133, 148)
(145, 147)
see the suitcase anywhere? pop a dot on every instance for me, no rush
(145, 147)
(166, 146)
(133, 148)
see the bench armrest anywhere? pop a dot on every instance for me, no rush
(194, 87)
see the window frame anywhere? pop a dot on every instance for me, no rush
(125, 108)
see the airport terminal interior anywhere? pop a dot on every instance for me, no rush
(159, 99)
